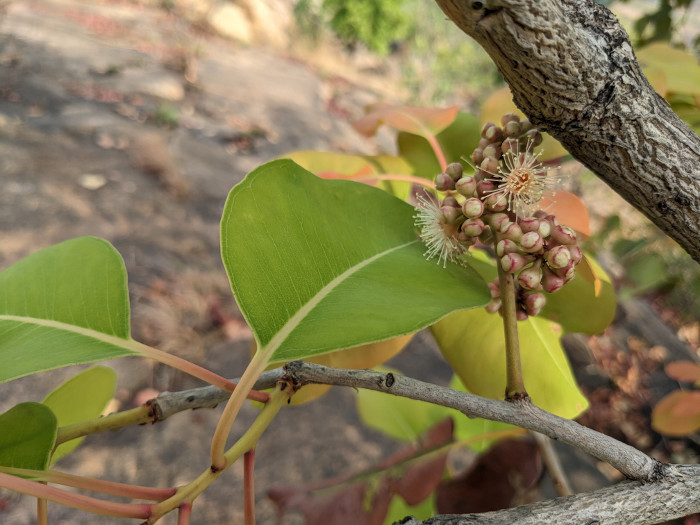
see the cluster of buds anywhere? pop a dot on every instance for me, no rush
(497, 204)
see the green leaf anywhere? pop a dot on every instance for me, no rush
(398, 417)
(458, 140)
(63, 305)
(399, 509)
(81, 398)
(321, 265)
(27, 437)
(473, 344)
(681, 68)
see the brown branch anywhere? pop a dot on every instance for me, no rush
(572, 71)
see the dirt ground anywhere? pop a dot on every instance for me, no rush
(128, 122)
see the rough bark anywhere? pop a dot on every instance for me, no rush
(572, 71)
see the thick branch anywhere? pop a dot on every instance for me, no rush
(572, 71)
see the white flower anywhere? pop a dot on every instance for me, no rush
(521, 181)
(438, 235)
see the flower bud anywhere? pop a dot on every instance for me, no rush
(465, 240)
(509, 145)
(443, 182)
(477, 156)
(494, 288)
(530, 224)
(496, 202)
(473, 207)
(550, 281)
(511, 129)
(505, 246)
(558, 257)
(534, 303)
(521, 315)
(494, 306)
(486, 127)
(494, 134)
(531, 278)
(486, 236)
(466, 186)
(509, 117)
(576, 254)
(496, 220)
(563, 235)
(483, 143)
(531, 242)
(451, 201)
(450, 214)
(454, 170)
(513, 262)
(492, 150)
(473, 227)
(525, 125)
(484, 187)
(489, 164)
(534, 137)
(512, 232)
(545, 229)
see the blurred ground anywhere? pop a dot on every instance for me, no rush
(131, 122)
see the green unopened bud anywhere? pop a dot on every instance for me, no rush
(496, 220)
(473, 227)
(454, 170)
(534, 303)
(505, 246)
(473, 207)
(466, 186)
(513, 262)
(443, 182)
(477, 156)
(512, 232)
(558, 257)
(563, 235)
(531, 242)
(531, 278)
(545, 229)
(509, 117)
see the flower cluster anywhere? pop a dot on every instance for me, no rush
(498, 205)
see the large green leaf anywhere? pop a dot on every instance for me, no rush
(320, 265)
(63, 305)
(82, 397)
(473, 344)
(458, 140)
(27, 435)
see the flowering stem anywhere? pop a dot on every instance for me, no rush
(515, 388)
(248, 486)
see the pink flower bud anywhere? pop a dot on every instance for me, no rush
(492, 151)
(451, 201)
(466, 186)
(530, 224)
(465, 240)
(521, 315)
(531, 278)
(483, 143)
(496, 202)
(450, 214)
(454, 170)
(550, 281)
(494, 288)
(512, 232)
(534, 303)
(505, 246)
(494, 134)
(563, 235)
(509, 117)
(489, 164)
(511, 129)
(473, 227)
(485, 128)
(483, 187)
(531, 242)
(534, 137)
(545, 229)
(558, 257)
(509, 145)
(513, 262)
(494, 306)
(473, 208)
(525, 125)
(497, 220)
(576, 254)
(443, 182)
(477, 156)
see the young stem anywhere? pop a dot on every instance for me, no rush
(42, 514)
(248, 486)
(223, 428)
(135, 416)
(554, 467)
(189, 492)
(515, 388)
(184, 512)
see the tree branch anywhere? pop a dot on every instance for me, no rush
(572, 71)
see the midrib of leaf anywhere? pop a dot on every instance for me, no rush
(293, 322)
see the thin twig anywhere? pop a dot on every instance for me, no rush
(551, 461)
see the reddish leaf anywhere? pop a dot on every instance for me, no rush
(677, 414)
(570, 210)
(364, 499)
(684, 371)
(498, 479)
(419, 121)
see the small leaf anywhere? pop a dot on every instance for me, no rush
(81, 398)
(322, 265)
(684, 371)
(27, 437)
(63, 305)
(681, 68)
(677, 414)
(473, 344)
(399, 509)
(419, 121)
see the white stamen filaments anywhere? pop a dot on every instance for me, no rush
(436, 233)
